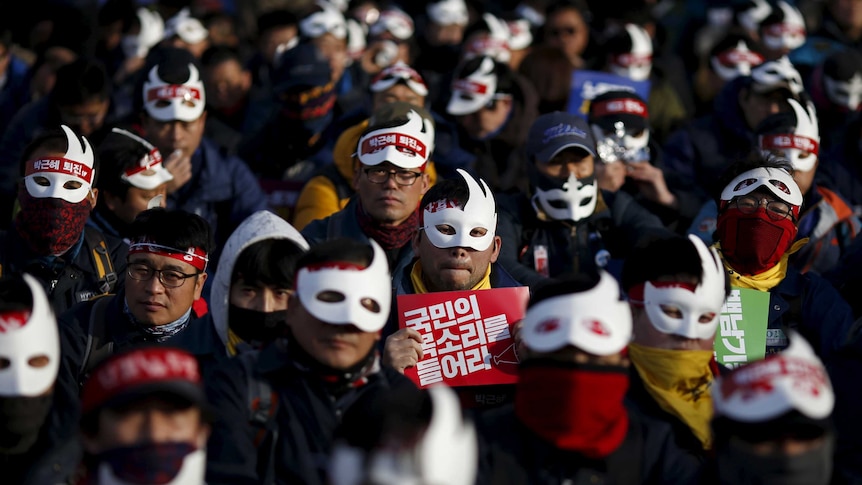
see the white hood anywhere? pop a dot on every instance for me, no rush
(257, 227)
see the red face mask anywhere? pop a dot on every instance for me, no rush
(50, 226)
(753, 243)
(576, 407)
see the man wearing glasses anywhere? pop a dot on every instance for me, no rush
(167, 263)
(758, 216)
(389, 184)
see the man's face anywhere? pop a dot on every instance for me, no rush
(756, 107)
(488, 119)
(275, 37)
(151, 302)
(847, 13)
(168, 136)
(398, 92)
(455, 268)
(259, 297)
(646, 334)
(227, 84)
(338, 347)
(335, 51)
(389, 203)
(150, 420)
(87, 117)
(136, 201)
(569, 161)
(567, 31)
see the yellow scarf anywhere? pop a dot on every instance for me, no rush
(679, 381)
(419, 286)
(762, 281)
(232, 341)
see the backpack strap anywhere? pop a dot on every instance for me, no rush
(101, 260)
(96, 349)
(262, 404)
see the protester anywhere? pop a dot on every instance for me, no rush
(144, 419)
(38, 442)
(676, 288)
(758, 212)
(566, 224)
(207, 181)
(303, 385)
(255, 280)
(568, 420)
(167, 267)
(132, 180)
(389, 183)
(773, 420)
(49, 237)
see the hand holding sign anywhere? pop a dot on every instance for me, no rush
(403, 349)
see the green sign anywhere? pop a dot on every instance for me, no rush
(741, 334)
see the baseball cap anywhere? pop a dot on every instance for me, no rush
(626, 106)
(597, 321)
(401, 134)
(475, 84)
(186, 27)
(793, 380)
(138, 372)
(301, 66)
(552, 133)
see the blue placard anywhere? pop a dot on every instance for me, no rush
(586, 85)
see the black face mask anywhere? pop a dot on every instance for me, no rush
(256, 327)
(21, 418)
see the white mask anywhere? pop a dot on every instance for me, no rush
(847, 94)
(355, 285)
(578, 200)
(75, 166)
(788, 34)
(620, 145)
(636, 64)
(191, 473)
(24, 336)
(801, 146)
(186, 101)
(706, 299)
(480, 212)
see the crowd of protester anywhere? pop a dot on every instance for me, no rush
(212, 212)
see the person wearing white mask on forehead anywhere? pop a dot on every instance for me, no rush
(133, 179)
(732, 55)
(826, 219)
(328, 363)
(676, 288)
(457, 249)
(782, 31)
(390, 41)
(38, 442)
(186, 32)
(566, 223)
(836, 90)
(774, 423)
(50, 237)
(568, 421)
(756, 236)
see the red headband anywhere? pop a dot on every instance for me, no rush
(13, 320)
(620, 106)
(733, 57)
(149, 161)
(782, 142)
(399, 140)
(173, 91)
(60, 165)
(196, 257)
(470, 86)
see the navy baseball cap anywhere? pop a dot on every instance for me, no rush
(552, 133)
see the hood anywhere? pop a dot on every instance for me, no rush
(728, 112)
(257, 227)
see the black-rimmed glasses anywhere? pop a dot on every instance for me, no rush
(169, 278)
(381, 175)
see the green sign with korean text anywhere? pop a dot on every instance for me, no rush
(741, 334)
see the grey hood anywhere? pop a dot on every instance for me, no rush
(257, 227)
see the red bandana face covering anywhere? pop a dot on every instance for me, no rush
(50, 226)
(753, 243)
(576, 407)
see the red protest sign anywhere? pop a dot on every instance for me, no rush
(466, 335)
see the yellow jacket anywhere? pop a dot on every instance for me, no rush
(320, 196)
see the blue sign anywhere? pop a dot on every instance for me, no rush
(586, 85)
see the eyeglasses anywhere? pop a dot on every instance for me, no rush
(381, 176)
(775, 209)
(167, 277)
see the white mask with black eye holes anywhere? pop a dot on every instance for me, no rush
(69, 177)
(698, 309)
(341, 293)
(447, 225)
(847, 94)
(576, 199)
